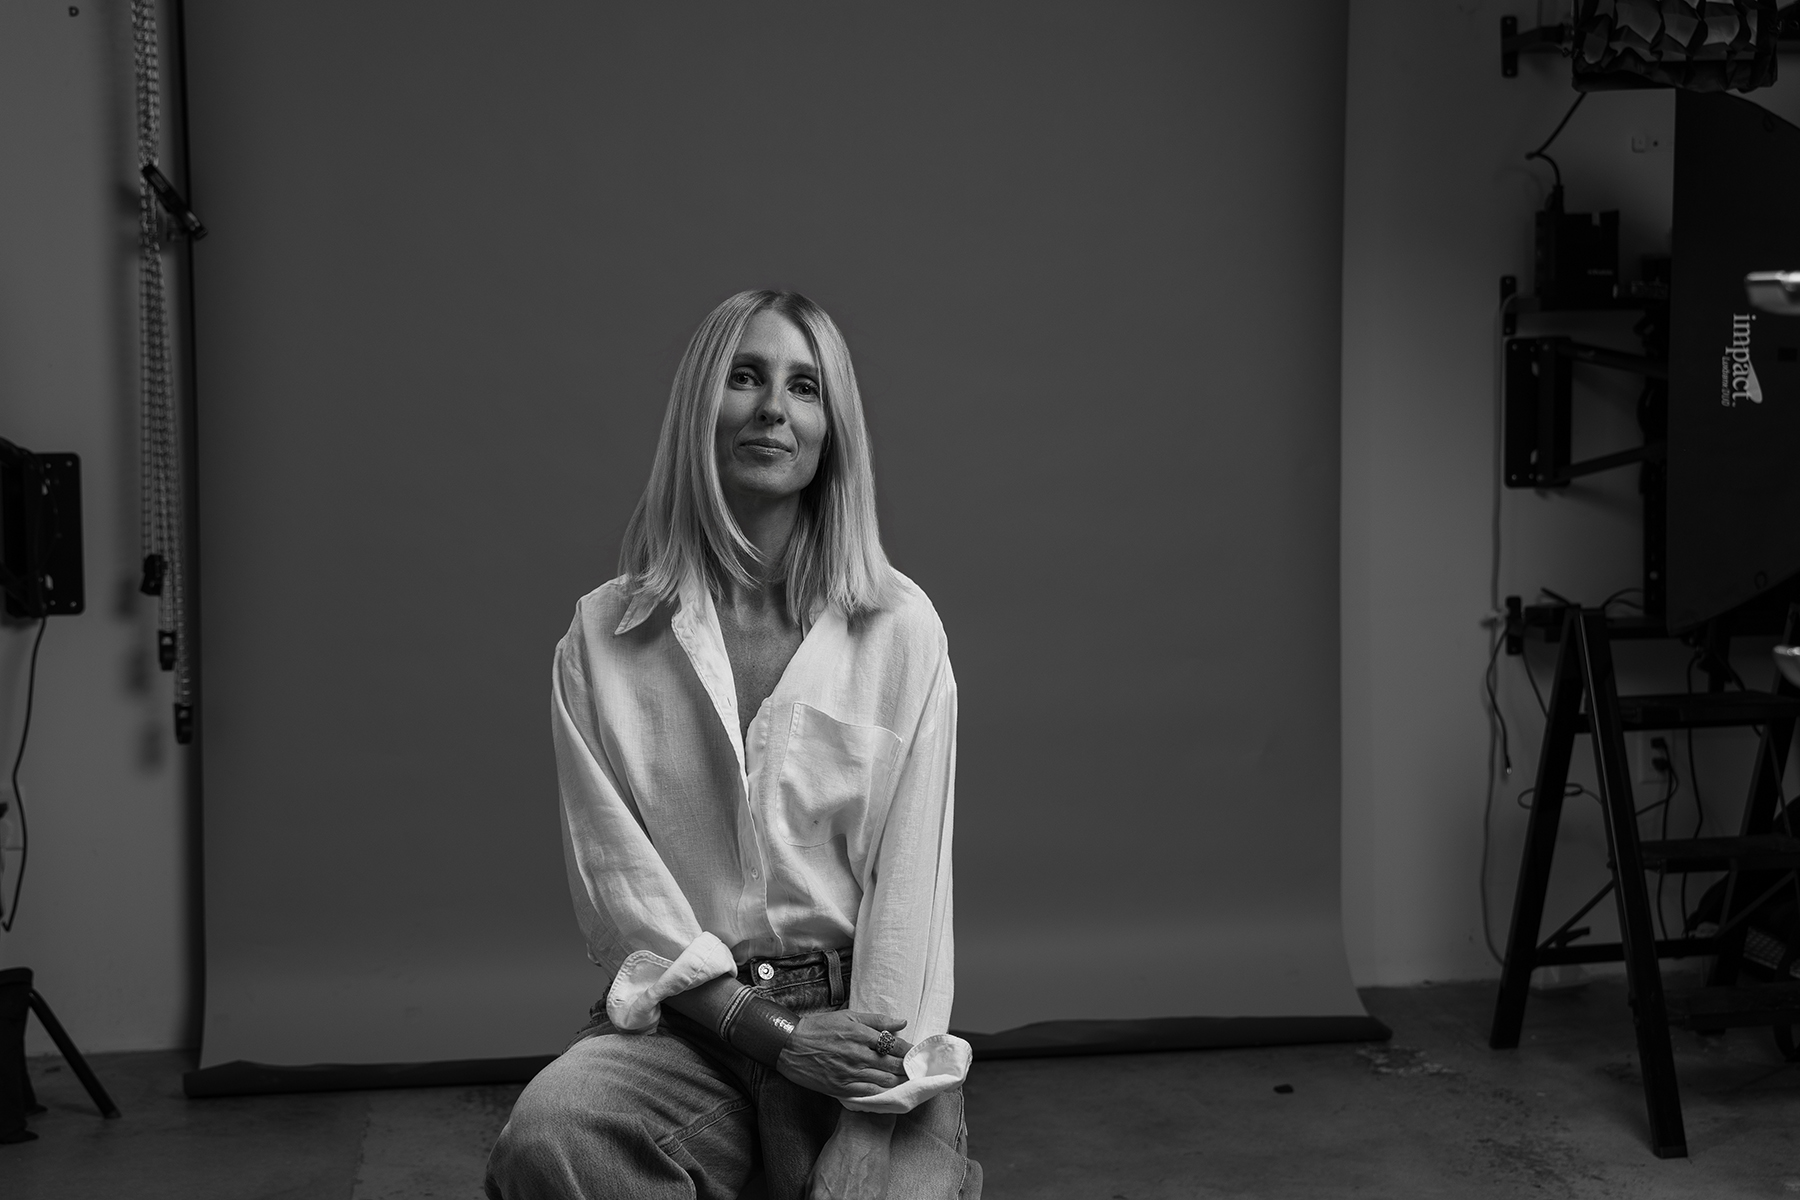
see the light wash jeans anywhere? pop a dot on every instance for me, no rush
(678, 1113)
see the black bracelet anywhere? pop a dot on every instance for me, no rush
(731, 1011)
(758, 1027)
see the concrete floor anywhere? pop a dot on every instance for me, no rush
(1435, 1114)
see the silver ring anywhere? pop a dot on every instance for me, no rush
(884, 1045)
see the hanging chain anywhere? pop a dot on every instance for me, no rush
(160, 506)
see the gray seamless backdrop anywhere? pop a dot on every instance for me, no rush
(1088, 260)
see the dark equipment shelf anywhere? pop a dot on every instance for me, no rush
(1761, 863)
(1765, 852)
(1705, 710)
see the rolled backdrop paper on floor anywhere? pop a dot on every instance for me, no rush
(1087, 258)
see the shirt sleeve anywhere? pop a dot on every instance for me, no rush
(625, 898)
(905, 961)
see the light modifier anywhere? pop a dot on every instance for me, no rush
(1774, 291)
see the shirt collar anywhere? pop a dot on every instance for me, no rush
(690, 595)
(640, 607)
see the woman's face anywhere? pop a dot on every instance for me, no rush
(772, 422)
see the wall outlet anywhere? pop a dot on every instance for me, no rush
(1650, 758)
(1644, 143)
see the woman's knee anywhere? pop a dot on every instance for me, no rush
(539, 1123)
(929, 1153)
(537, 1142)
(557, 1135)
(612, 1117)
(554, 1148)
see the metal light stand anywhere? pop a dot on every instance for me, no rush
(17, 1100)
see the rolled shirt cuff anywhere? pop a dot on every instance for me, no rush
(937, 1064)
(645, 980)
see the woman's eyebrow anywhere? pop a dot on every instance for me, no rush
(752, 358)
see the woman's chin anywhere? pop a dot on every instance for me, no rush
(764, 486)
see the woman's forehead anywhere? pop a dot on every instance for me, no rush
(770, 337)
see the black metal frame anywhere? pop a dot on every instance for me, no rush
(40, 533)
(1584, 675)
(1539, 410)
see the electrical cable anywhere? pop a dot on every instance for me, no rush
(1662, 874)
(1694, 784)
(1570, 791)
(1668, 795)
(1618, 597)
(1499, 739)
(1499, 718)
(1487, 930)
(1539, 152)
(1499, 748)
(1496, 745)
(12, 909)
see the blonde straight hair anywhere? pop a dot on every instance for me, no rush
(682, 526)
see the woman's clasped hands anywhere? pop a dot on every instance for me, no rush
(839, 1054)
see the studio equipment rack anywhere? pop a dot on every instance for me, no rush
(1760, 862)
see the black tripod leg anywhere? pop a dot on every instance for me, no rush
(1540, 846)
(14, 990)
(78, 1064)
(1649, 1011)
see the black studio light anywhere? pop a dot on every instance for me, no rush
(1734, 366)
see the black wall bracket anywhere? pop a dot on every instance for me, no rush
(1539, 404)
(40, 533)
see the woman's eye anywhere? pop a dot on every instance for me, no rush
(743, 377)
(805, 387)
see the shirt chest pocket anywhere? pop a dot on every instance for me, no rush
(832, 772)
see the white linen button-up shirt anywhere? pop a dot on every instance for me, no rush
(828, 824)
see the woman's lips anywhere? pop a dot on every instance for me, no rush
(767, 447)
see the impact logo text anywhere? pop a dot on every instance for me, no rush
(1737, 374)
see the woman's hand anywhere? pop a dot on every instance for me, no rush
(854, 1163)
(834, 1053)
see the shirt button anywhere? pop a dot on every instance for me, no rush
(753, 874)
(765, 972)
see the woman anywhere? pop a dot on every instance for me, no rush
(755, 730)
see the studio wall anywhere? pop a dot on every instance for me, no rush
(1438, 205)
(1088, 264)
(108, 917)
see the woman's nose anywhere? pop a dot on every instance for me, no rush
(769, 409)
